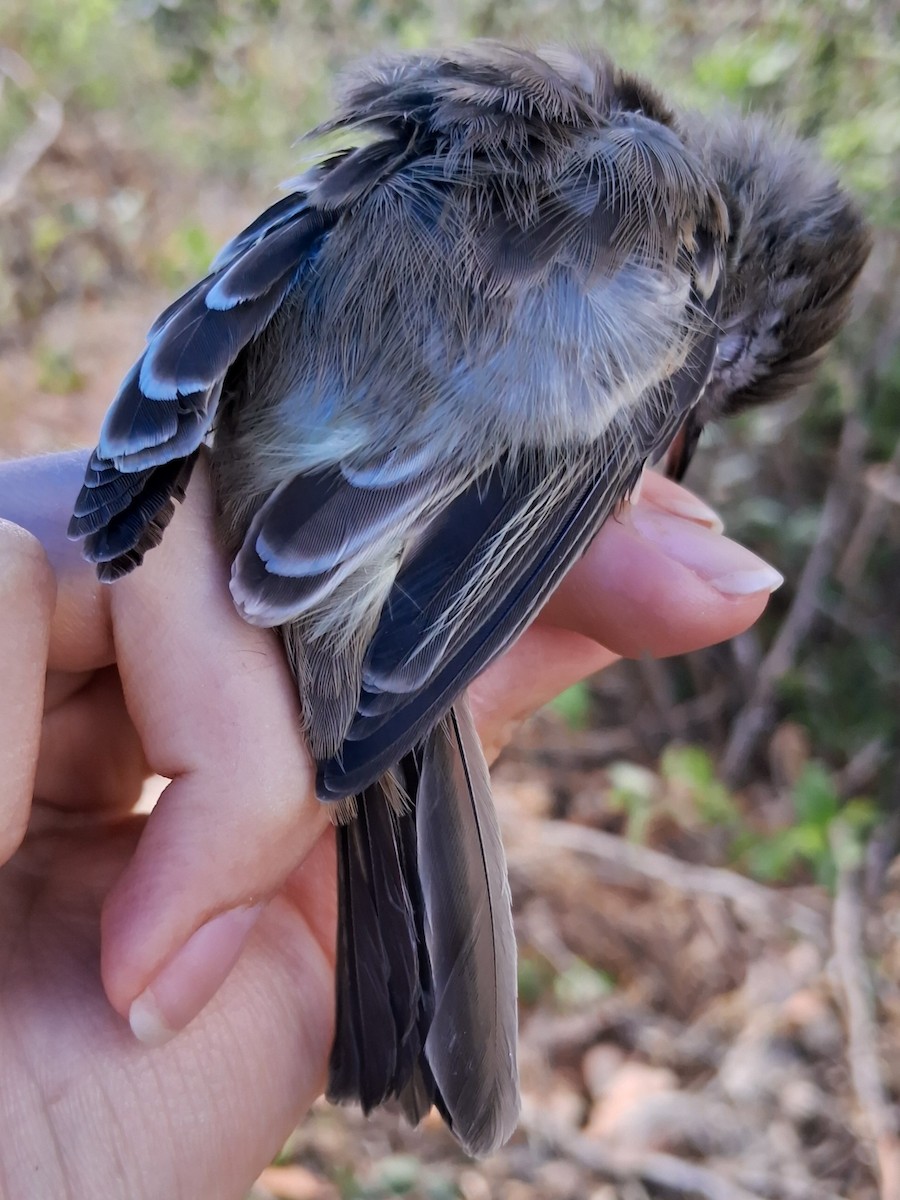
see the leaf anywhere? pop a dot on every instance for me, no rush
(814, 795)
(634, 791)
(574, 706)
(693, 769)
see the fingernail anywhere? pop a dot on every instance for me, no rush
(749, 581)
(684, 504)
(191, 977)
(727, 566)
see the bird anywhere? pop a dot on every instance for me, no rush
(426, 376)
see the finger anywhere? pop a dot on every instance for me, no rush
(27, 592)
(253, 1061)
(660, 579)
(71, 773)
(541, 664)
(38, 494)
(80, 695)
(240, 807)
(217, 712)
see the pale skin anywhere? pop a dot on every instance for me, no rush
(158, 673)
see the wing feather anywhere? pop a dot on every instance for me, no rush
(314, 532)
(168, 400)
(419, 658)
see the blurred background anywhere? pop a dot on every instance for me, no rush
(701, 850)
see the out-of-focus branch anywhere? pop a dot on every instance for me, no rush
(882, 491)
(27, 151)
(848, 936)
(755, 717)
(675, 1175)
(623, 861)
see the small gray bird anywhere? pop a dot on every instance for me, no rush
(429, 374)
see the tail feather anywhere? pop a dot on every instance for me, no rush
(471, 1043)
(417, 1094)
(426, 1009)
(364, 1005)
(376, 1041)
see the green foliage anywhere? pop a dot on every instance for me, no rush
(262, 63)
(184, 255)
(634, 791)
(534, 978)
(15, 113)
(574, 706)
(688, 791)
(48, 231)
(57, 372)
(692, 770)
(576, 985)
(397, 1175)
(735, 67)
(882, 406)
(806, 846)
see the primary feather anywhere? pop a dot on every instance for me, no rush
(431, 373)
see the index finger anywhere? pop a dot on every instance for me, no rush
(26, 602)
(37, 494)
(217, 713)
(215, 709)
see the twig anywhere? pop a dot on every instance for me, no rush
(661, 1170)
(880, 495)
(661, 695)
(881, 849)
(778, 1185)
(706, 707)
(862, 769)
(592, 749)
(754, 717)
(747, 655)
(37, 139)
(624, 861)
(624, 1019)
(881, 480)
(848, 936)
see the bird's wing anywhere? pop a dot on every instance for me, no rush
(447, 571)
(476, 576)
(168, 400)
(433, 570)
(458, 121)
(471, 560)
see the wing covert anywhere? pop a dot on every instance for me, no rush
(168, 400)
(434, 636)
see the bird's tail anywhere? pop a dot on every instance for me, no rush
(426, 967)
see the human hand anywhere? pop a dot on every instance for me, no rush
(158, 673)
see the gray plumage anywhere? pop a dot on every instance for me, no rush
(468, 935)
(431, 373)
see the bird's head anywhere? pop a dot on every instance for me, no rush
(796, 246)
